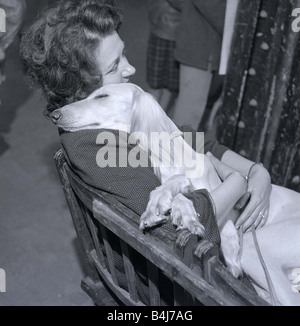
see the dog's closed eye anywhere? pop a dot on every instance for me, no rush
(101, 96)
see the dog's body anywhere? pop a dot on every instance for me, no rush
(114, 106)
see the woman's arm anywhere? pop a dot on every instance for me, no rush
(259, 182)
(237, 162)
(228, 193)
(226, 196)
(259, 190)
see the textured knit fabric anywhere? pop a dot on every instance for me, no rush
(162, 68)
(131, 186)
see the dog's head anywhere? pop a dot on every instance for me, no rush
(107, 107)
(124, 107)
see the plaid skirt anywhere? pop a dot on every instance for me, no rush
(162, 68)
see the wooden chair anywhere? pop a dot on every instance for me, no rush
(156, 268)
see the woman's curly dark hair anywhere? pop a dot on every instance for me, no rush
(58, 49)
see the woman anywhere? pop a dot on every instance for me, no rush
(72, 50)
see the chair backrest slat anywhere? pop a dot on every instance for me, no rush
(153, 284)
(129, 270)
(95, 234)
(121, 294)
(109, 254)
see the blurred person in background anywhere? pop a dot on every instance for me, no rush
(12, 15)
(162, 68)
(198, 49)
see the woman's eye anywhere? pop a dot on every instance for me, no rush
(114, 69)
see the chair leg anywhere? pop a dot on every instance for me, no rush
(97, 292)
(93, 290)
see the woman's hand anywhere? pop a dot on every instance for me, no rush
(257, 210)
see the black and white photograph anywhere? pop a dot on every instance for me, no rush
(149, 155)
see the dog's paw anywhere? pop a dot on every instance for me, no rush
(294, 277)
(149, 219)
(159, 205)
(230, 246)
(184, 216)
(158, 208)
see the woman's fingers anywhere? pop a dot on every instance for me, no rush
(258, 217)
(252, 219)
(265, 216)
(261, 217)
(249, 213)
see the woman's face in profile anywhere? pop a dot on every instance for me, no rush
(112, 61)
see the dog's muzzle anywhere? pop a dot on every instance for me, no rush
(55, 116)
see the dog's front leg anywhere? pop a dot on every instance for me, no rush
(158, 208)
(184, 216)
(159, 205)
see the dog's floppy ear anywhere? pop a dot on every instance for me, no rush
(148, 116)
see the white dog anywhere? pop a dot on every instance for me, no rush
(120, 105)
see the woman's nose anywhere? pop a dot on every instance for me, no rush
(55, 116)
(128, 70)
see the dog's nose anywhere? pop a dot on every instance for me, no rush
(55, 116)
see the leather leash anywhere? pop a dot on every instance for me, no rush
(271, 288)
